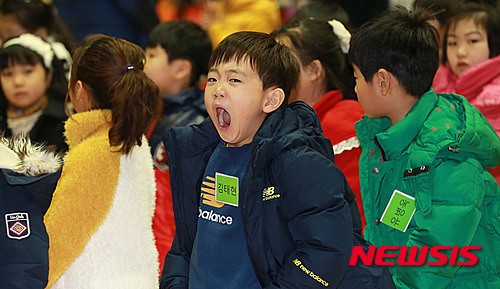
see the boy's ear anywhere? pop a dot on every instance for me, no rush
(274, 98)
(382, 81)
(182, 68)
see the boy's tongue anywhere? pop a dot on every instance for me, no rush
(223, 117)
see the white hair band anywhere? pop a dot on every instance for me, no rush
(342, 34)
(35, 44)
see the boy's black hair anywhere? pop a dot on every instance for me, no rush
(403, 43)
(183, 39)
(274, 63)
(483, 16)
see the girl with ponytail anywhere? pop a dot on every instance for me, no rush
(100, 219)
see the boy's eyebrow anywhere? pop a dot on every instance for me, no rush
(233, 70)
(236, 71)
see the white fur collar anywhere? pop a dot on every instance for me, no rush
(21, 156)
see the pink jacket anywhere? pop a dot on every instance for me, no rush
(480, 85)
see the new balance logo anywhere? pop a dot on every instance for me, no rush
(269, 194)
(208, 193)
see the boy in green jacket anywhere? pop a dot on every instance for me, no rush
(423, 175)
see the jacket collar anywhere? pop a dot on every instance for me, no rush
(329, 100)
(472, 81)
(294, 125)
(394, 140)
(27, 160)
(184, 97)
(82, 125)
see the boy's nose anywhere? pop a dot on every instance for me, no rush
(219, 91)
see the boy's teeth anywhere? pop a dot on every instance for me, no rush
(223, 117)
(220, 116)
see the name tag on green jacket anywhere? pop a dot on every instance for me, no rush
(399, 211)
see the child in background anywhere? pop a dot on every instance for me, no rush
(325, 76)
(100, 219)
(38, 17)
(323, 10)
(33, 87)
(26, 186)
(441, 11)
(258, 200)
(471, 60)
(223, 17)
(177, 55)
(424, 156)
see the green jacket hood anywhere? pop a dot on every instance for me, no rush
(479, 137)
(435, 123)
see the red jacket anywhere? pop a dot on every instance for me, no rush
(337, 117)
(163, 218)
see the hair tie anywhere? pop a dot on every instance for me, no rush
(342, 34)
(128, 67)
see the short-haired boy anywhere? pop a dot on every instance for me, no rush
(423, 174)
(258, 200)
(177, 55)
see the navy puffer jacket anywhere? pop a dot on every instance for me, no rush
(300, 238)
(26, 187)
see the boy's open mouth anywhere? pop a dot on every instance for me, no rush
(223, 117)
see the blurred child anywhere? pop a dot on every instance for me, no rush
(323, 10)
(258, 201)
(169, 10)
(38, 17)
(424, 156)
(177, 55)
(223, 17)
(33, 87)
(100, 219)
(441, 11)
(28, 177)
(326, 84)
(471, 61)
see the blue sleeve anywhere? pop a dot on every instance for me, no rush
(319, 221)
(175, 269)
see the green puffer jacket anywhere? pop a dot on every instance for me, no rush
(436, 154)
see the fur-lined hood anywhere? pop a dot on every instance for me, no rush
(20, 155)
